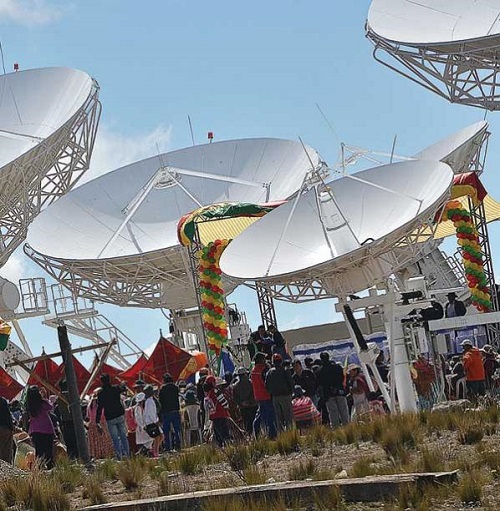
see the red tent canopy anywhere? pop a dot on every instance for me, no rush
(134, 372)
(166, 358)
(9, 387)
(114, 375)
(82, 374)
(47, 370)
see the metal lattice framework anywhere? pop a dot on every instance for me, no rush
(125, 281)
(266, 305)
(45, 173)
(466, 73)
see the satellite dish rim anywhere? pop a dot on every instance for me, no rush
(373, 250)
(444, 43)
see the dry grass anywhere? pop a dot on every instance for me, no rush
(36, 492)
(470, 487)
(288, 441)
(131, 473)
(302, 470)
(92, 490)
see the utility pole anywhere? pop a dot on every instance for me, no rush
(74, 397)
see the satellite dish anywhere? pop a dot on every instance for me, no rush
(450, 47)
(116, 237)
(48, 122)
(458, 150)
(350, 234)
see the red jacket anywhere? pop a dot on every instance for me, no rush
(473, 365)
(214, 406)
(259, 382)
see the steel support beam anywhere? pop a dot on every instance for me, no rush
(266, 305)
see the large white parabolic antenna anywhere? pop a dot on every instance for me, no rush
(48, 122)
(114, 239)
(348, 235)
(460, 150)
(450, 47)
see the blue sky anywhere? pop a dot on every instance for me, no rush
(239, 69)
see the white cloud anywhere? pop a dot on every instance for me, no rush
(30, 12)
(113, 150)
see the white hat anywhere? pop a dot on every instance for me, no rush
(466, 342)
(140, 397)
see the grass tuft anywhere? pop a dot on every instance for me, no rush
(131, 473)
(92, 490)
(301, 471)
(288, 441)
(470, 487)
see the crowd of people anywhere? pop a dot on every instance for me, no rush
(274, 394)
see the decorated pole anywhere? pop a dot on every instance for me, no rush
(212, 295)
(468, 239)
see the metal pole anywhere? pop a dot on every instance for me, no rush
(74, 397)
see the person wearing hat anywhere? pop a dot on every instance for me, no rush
(216, 408)
(139, 386)
(490, 364)
(304, 411)
(306, 379)
(474, 369)
(142, 439)
(170, 413)
(454, 307)
(279, 383)
(265, 413)
(152, 419)
(244, 398)
(359, 391)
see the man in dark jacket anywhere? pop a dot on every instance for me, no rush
(306, 379)
(279, 384)
(454, 307)
(330, 378)
(109, 400)
(244, 398)
(170, 412)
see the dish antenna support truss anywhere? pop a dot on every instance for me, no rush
(459, 72)
(67, 156)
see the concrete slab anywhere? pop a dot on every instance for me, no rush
(365, 489)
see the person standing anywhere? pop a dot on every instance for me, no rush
(151, 420)
(142, 439)
(245, 399)
(454, 307)
(170, 411)
(41, 428)
(279, 345)
(490, 364)
(474, 369)
(306, 379)
(6, 432)
(100, 443)
(265, 412)
(217, 410)
(109, 400)
(279, 383)
(359, 391)
(330, 378)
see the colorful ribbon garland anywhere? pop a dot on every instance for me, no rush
(472, 255)
(212, 294)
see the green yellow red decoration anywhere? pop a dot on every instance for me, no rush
(472, 255)
(212, 294)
